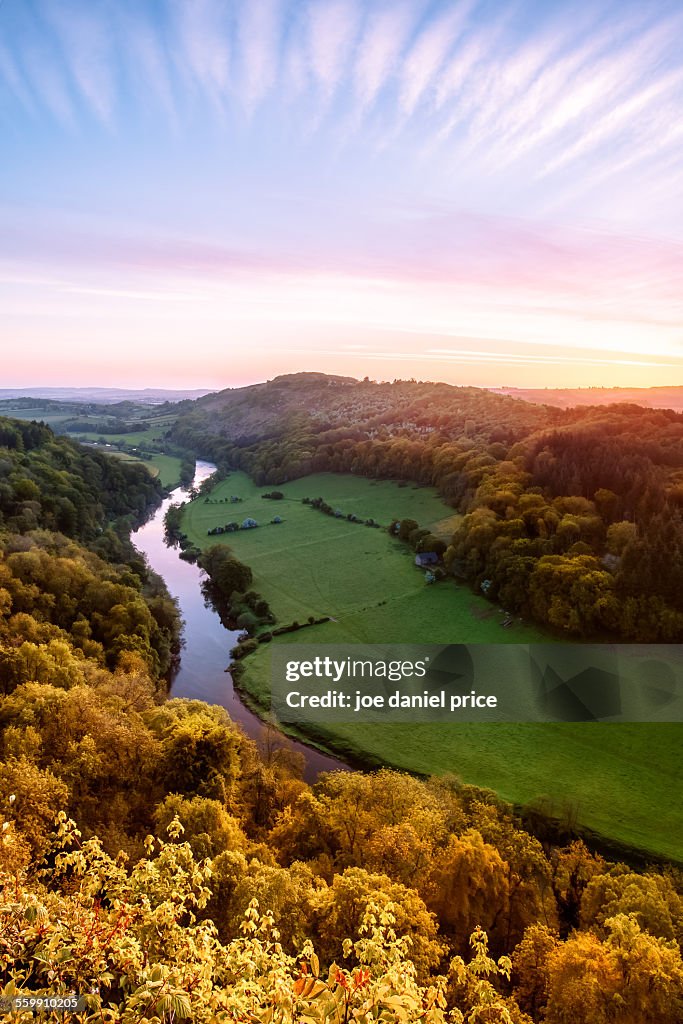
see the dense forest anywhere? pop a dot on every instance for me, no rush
(570, 517)
(159, 862)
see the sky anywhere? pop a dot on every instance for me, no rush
(207, 193)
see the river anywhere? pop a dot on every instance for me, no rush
(207, 643)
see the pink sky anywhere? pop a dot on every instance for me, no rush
(505, 304)
(205, 194)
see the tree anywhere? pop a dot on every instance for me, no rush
(354, 808)
(651, 899)
(629, 978)
(208, 827)
(468, 886)
(340, 910)
(226, 572)
(289, 893)
(31, 799)
(530, 896)
(200, 749)
(573, 867)
(530, 964)
(620, 535)
(406, 527)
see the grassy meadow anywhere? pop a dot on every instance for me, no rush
(313, 564)
(53, 419)
(166, 467)
(616, 779)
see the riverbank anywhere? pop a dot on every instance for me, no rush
(205, 654)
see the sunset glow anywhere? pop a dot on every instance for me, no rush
(208, 193)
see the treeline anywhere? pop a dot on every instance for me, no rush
(227, 587)
(571, 517)
(109, 426)
(323, 506)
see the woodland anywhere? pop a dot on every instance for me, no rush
(155, 860)
(572, 518)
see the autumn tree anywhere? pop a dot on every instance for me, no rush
(468, 886)
(630, 977)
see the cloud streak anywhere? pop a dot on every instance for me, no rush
(428, 54)
(259, 38)
(450, 168)
(332, 30)
(84, 39)
(481, 88)
(202, 47)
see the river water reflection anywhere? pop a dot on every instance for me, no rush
(207, 643)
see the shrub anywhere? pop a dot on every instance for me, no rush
(244, 648)
(247, 620)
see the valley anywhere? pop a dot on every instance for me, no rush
(366, 581)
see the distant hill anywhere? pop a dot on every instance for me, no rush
(566, 398)
(344, 406)
(104, 396)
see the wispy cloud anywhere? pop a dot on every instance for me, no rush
(149, 65)
(332, 29)
(385, 35)
(633, 111)
(259, 27)
(428, 54)
(202, 47)
(49, 83)
(86, 46)
(15, 82)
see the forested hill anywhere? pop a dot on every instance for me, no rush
(74, 594)
(571, 517)
(53, 483)
(357, 408)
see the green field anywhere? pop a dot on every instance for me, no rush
(166, 467)
(313, 564)
(52, 419)
(618, 779)
(135, 437)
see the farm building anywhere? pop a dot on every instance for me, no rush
(426, 558)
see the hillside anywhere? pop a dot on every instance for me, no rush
(362, 408)
(572, 517)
